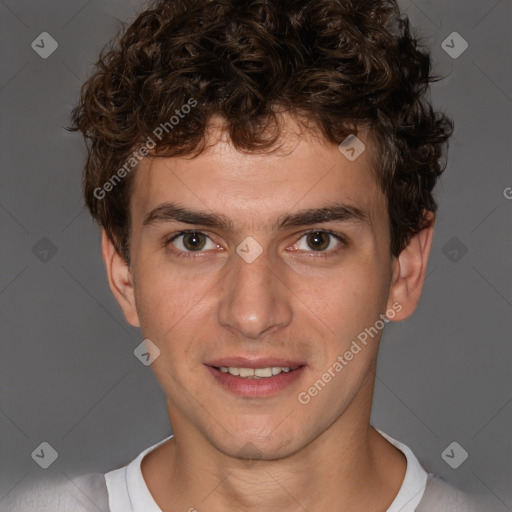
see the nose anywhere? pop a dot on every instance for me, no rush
(254, 299)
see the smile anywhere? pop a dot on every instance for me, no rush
(255, 382)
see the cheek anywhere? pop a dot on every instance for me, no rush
(346, 300)
(164, 299)
(176, 307)
(169, 310)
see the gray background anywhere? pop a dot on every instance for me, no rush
(67, 369)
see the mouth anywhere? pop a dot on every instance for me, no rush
(254, 381)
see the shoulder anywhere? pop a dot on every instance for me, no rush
(84, 493)
(439, 495)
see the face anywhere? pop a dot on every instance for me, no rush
(284, 262)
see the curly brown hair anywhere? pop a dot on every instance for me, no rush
(336, 65)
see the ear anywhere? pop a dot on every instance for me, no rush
(120, 279)
(409, 272)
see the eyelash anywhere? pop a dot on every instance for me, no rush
(321, 254)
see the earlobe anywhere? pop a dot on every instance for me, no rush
(410, 270)
(119, 279)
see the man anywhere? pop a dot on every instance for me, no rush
(263, 174)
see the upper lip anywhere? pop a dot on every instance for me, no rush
(263, 362)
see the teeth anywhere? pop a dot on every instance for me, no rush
(256, 373)
(244, 372)
(263, 372)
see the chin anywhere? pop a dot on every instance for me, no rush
(259, 446)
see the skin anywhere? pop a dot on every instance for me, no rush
(290, 302)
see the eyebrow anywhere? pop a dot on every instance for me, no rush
(168, 212)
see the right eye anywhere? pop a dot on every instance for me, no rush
(190, 241)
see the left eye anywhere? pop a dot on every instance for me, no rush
(192, 241)
(318, 241)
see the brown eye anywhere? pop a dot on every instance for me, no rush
(318, 240)
(194, 241)
(321, 241)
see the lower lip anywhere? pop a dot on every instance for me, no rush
(256, 388)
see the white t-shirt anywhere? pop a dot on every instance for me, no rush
(125, 490)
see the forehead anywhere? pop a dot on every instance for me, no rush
(253, 189)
